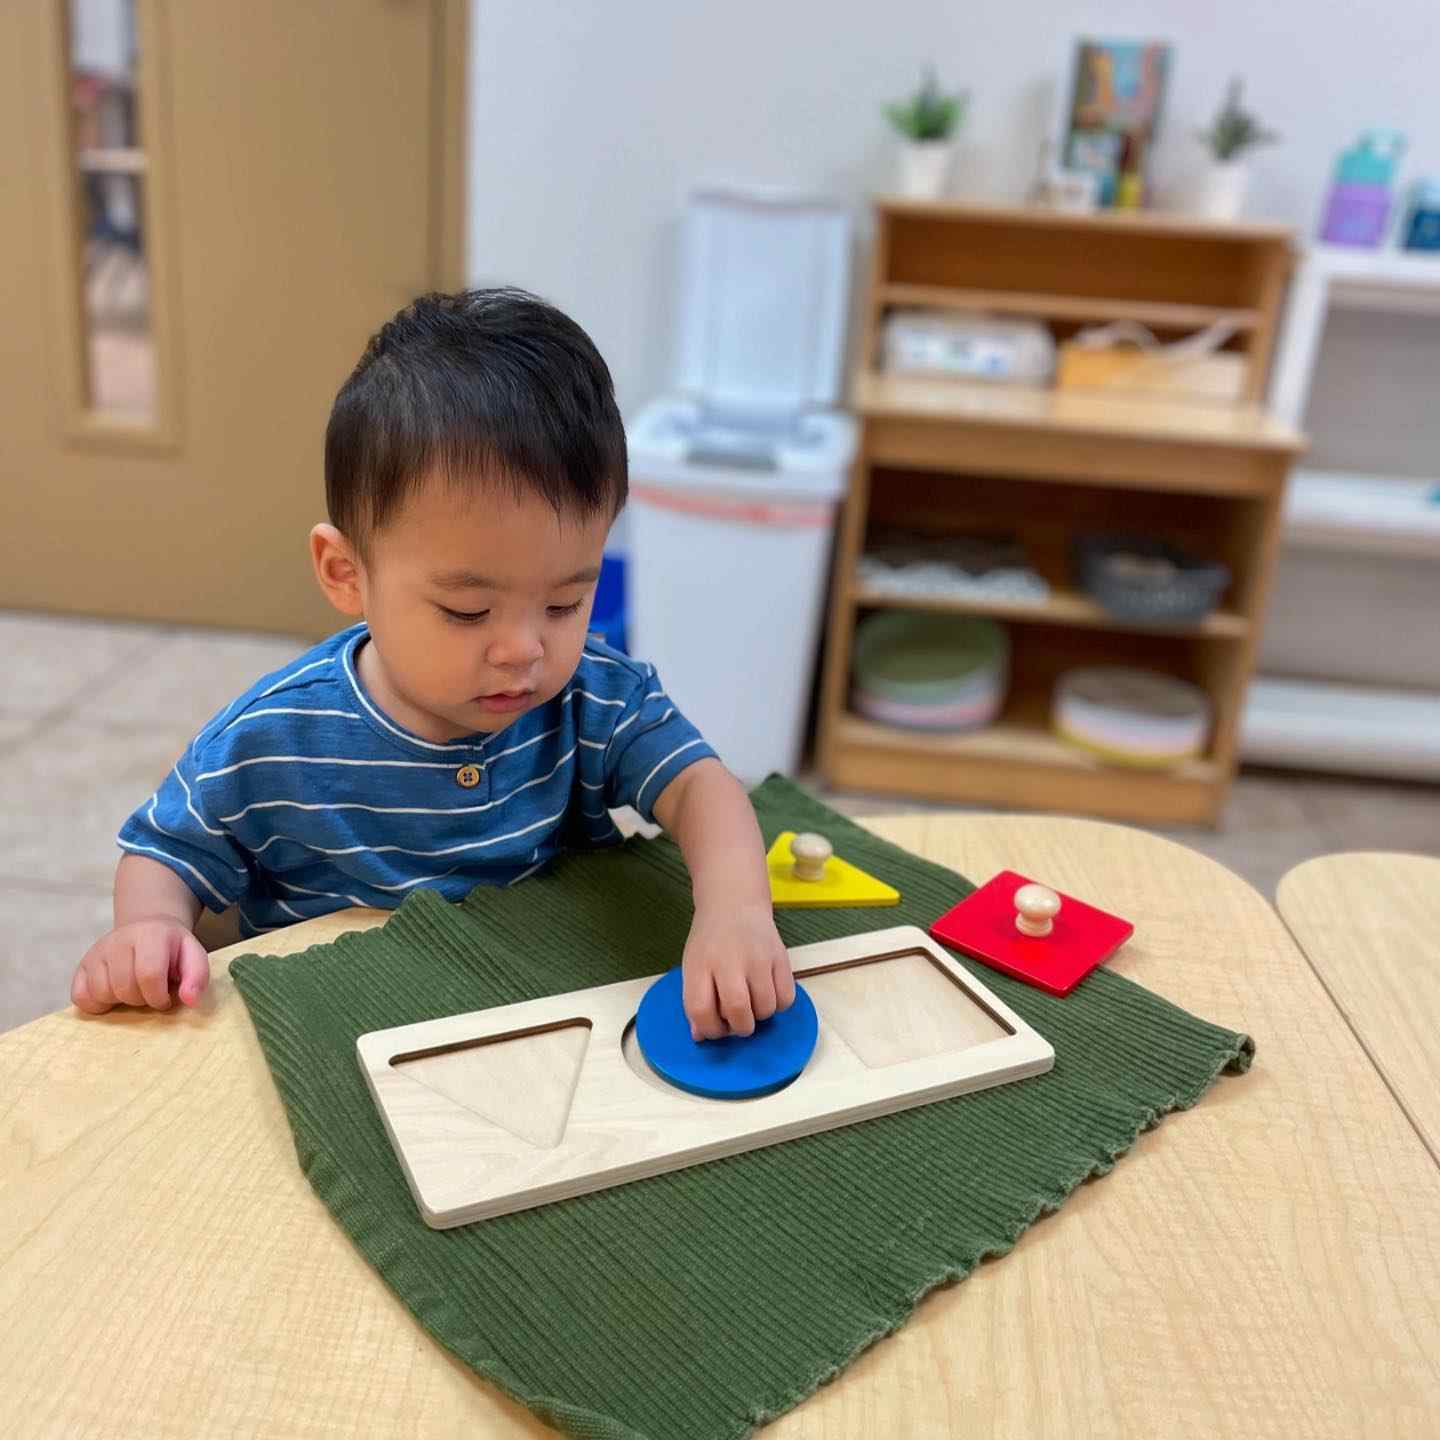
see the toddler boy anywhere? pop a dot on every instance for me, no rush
(466, 730)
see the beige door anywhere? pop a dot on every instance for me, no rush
(205, 208)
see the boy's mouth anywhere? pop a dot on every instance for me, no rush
(503, 702)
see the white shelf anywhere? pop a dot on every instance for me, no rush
(1350, 264)
(1407, 281)
(1390, 514)
(1351, 596)
(1403, 280)
(1348, 728)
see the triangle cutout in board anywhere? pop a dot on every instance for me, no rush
(841, 884)
(522, 1083)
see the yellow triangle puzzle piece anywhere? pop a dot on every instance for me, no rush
(842, 884)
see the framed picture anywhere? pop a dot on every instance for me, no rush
(1115, 103)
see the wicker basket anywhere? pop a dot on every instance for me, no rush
(1147, 582)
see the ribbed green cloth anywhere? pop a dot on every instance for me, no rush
(702, 1303)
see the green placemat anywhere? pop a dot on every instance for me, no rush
(701, 1303)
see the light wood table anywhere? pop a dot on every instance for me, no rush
(1369, 923)
(1267, 1264)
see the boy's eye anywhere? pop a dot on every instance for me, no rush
(463, 617)
(558, 612)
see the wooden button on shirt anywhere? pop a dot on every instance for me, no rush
(468, 776)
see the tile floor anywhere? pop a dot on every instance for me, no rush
(93, 714)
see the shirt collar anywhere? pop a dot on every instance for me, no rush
(466, 747)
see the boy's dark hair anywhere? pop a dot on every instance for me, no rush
(492, 383)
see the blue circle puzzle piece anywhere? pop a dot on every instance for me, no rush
(735, 1067)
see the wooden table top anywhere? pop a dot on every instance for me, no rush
(1370, 925)
(1267, 1264)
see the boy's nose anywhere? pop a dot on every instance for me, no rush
(517, 650)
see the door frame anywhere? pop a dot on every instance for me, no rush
(451, 132)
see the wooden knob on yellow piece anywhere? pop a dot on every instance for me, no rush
(1038, 905)
(810, 852)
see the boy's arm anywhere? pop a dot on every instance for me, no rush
(147, 890)
(736, 968)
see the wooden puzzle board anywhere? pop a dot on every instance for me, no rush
(504, 1109)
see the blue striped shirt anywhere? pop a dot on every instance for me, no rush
(303, 797)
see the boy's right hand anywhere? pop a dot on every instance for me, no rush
(136, 964)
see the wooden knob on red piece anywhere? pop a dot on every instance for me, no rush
(1037, 907)
(810, 852)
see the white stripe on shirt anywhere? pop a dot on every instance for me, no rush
(150, 816)
(324, 894)
(321, 760)
(403, 809)
(174, 860)
(623, 725)
(418, 880)
(290, 710)
(286, 679)
(190, 806)
(444, 850)
(679, 749)
(452, 746)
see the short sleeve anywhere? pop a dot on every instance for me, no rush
(174, 828)
(651, 744)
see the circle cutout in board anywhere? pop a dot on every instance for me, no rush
(735, 1067)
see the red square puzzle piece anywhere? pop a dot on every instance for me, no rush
(983, 925)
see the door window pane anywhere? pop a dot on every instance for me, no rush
(110, 175)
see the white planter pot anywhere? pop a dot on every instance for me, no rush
(1220, 190)
(925, 168)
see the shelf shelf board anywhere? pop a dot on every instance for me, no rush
(1067, 307)
(1077, 412)
(1324, 725)
(1403, 269)
(1021, 735)
(1063, 607)
(1384, 514)
(1154, 222)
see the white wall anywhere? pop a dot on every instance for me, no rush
(591, 118)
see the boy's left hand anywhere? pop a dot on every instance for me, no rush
(736, 971)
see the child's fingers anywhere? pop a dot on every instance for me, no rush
(735, 1003)
(700, 1007)
(83, 996)
(762, 995)
(194, 969)
(784, 979)
(120, 972)
(152, 969)
(97, 977)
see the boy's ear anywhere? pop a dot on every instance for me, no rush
(337, 568)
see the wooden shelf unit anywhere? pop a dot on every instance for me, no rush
(949, 457)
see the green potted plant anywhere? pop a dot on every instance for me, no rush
(927, 123)
(1232, 135)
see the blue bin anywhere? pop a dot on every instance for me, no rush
(607, 619)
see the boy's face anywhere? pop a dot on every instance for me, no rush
(478, 605)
